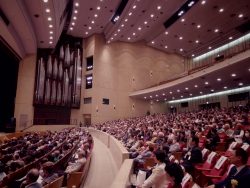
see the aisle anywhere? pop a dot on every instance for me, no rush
(102, 169)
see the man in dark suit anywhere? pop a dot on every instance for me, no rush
(193, 155)
(240, 172)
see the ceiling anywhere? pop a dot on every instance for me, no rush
(208, 23)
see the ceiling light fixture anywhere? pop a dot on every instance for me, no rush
(191, 3)
(93, 22)
(76, 11)
(128, 38)
(50, 42)
(203, 2)
(166, 46)
(157, 100)
(165, 99)
(95, 15)
(230, 38)
(98, 8)
(73, 23)
(166, 32)
(241, 15)
(216, 30)
(212, 90)
(158, 7)
(180, 13)
(150, 96)
(47, 10)
(197, 41)
(139, 28)
(209, 47)
(198, 26)
(145, 22)
(186, 88)
(45, 1)
(191, 94)
(240, 84)
(77, 4)
(221, 10)
(170, 92)
(201, 92)
(134, 7)
(130, 14)
(122, 25)
(133, 33)
(145, 97)
(51, 38)
(225, 87)
(50, 25)
(181, 50)
(51, 32)
(126, 20)
(183, 20)
(118, 30)
(86, 33)
(195, 86)
(178, 90)
(206, 83)
(74, 18)
(181, 96)
(219, 79)
(152, 15)
(156, 95)
(49, 18)
(163, 93)
(89, 27)
(180, 38)
(112, 38)
(153, 42)
(233, 74)
(192, 55)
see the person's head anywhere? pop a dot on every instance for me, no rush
(170, 141)
(247, 133)
(238, 157)
(48, 168)
(159, 156)
(15, 156)
(2, 168)
(81, 154)
(32, 176)
(226, 126)
(194, 141)
(214, 131)
(165, 148)
(174, 173)
(238, 126)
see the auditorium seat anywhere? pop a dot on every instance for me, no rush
(228, 151)
(202, 142)
(149, 162)
(56, 183)
(221, 178)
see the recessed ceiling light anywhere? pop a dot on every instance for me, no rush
(51, 32)
(206, 82)
(166, 32)
(173, 97)
(119, 30)
(186, 88)
(156, 95)
(191, 94)
(126, 20)
(152, 15)
(157, 100)
(240, 84)
(233, 74)
(197, 41)
(134, 7)
(139, 28)
(95, 15)
(108, 41)
(165, 99)
(49, 18)
(219, 79)
(128, 38)
(225, 87)
(50, 42)
(89, 27)
(166, 46)
(130, 14)
(241, 15)
(195, 86)
(183, 20)
(87, 33)
(50, 37)
(178, 90)
(153, 42)
(50, 25)
(230, 38)
(192, 55)
(221, 10)
(181, 96)
(216, 30)
(145, 97)
(115, 34)
(198, 26)
(181, 50)
(112, 38)
(133, 33)
(212, 90)
(145, 22)
(98, 8)
(45, 1)
(158, 7)
(170, 92)
(209, 47)
(201, 92)
(150, 96)
(163, 93)
(180, 38)
(93, 22)
(47, 10)
(203, 2)
(73, 23)
(122, 25)
(77, 4)
(74, 18)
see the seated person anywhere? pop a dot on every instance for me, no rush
(142, 158)
(2, 173)
(240, 172)
(174, 146)
(247, 139)
(193, 155)
(48, 176)
(75, 167)
(174, 175)
(181, 137)
(158, 177)
(31, 180)
(213, 141)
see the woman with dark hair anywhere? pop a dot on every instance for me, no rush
(213, 141)
(174, 174)
(158, 178)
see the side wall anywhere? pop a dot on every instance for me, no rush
(119, 69)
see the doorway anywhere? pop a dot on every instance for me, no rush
(86, 120)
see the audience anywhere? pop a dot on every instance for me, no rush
(48, 176)
(75, 167)
(31, 179)
(174, 174)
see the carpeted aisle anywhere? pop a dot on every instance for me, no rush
(102, 169)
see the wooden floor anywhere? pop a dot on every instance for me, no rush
(102, 169)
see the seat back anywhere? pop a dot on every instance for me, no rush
(202, 142)
(182, 145)
(56, 183)
(149, 162)
(220, 166)
(223, 137)
(246, 147)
